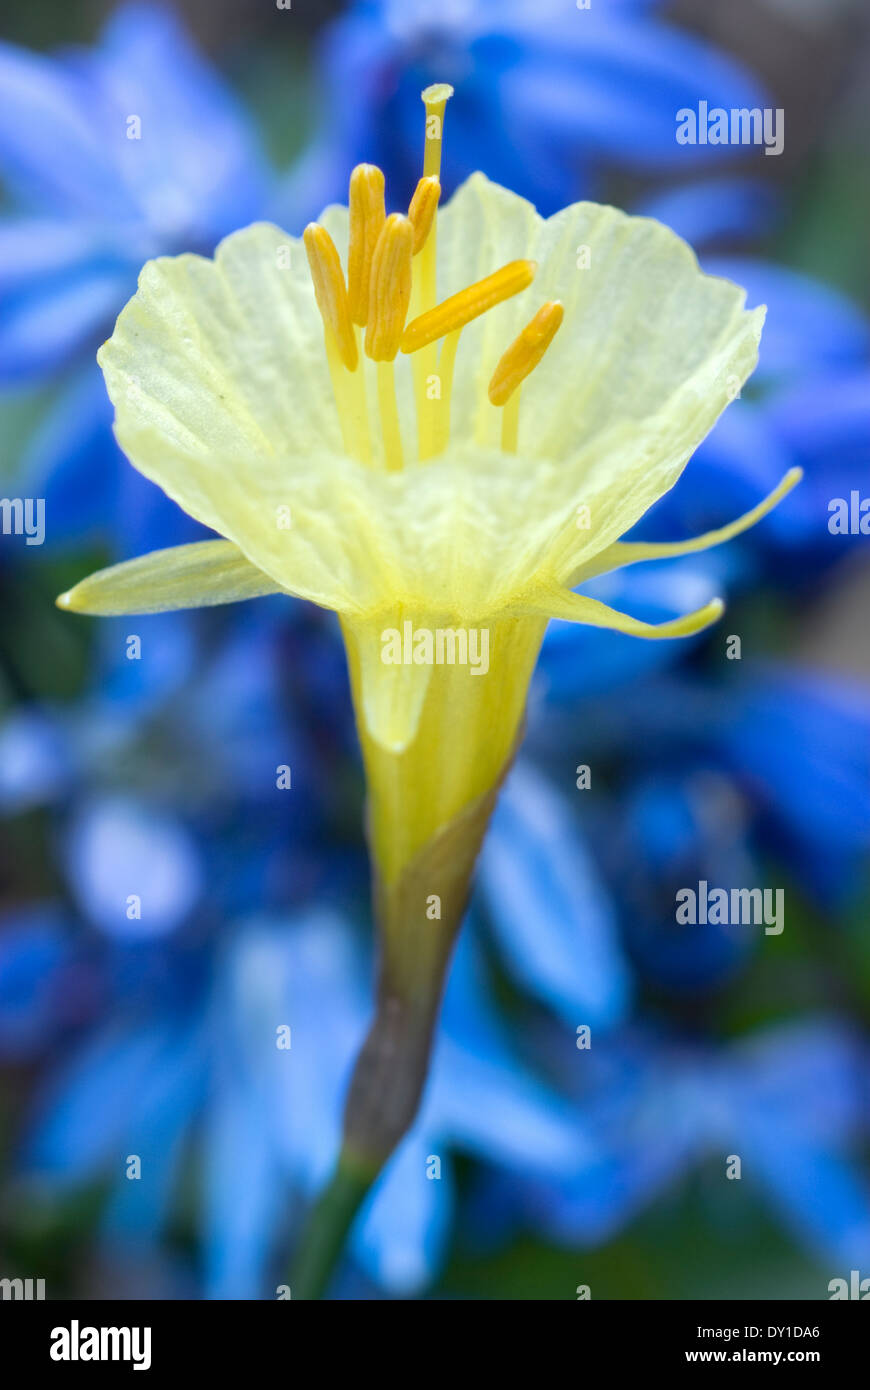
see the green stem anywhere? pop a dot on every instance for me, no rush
(390, 1071)
(328, 1226)
(383, 1097)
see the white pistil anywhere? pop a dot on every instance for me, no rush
(424, 365)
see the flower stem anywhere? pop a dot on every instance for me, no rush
(384, 1094)
(328, 1226)
(390, 1072)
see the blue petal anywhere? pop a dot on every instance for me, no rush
(45, 327)
(825, 1090)
(715, 209)
(34, 947)
(34, 251)
(550, 909)
(198, 170)
(135, 687)
(92, 493)
(739, 462)
(809, 326)
(116, 849)
(829, 723)
(239, 701)
(490, 1107)
(53, 147)
(244, 1195)
(305, 974)
(820, 1196)
(832, 419)
(827, 430)
(678, 829)
(138, 1210)
(74, 463)
(35, 762)
(402, 1233)
(614, 84)
(276, 1117)
(85, 1114)
(537, 93)
(479, 1095)
(648, 1114)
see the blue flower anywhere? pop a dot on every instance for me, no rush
(716, 208)
(134, 871)
(543, 97)
(276, 1117)
(773, 732)
(154, 778)
(270, 1114)
(690, 779)
(112, 155)
(551, 913)
(676, 829)
(798, 742)
(36, 974)
(807, 404)
(788, 1102)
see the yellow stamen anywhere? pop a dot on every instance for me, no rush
(468, 304)
(367, 217)
(392, 435)
(525, 352)
(510, 424)
(330, 291)
(389, 288)
(422, 209)
(341, 389)
(446, 365)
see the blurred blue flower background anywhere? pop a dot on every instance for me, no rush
(185, 932)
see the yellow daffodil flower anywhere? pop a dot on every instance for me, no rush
(313, 423)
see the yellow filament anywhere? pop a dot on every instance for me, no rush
(525, 352)
(446, 365)
(389, 416)
(367, 217)
(510, 424)
(330, 291)
(468, 304)
(389, 288)
(359, 409)
(341, 390)
(422, 210)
